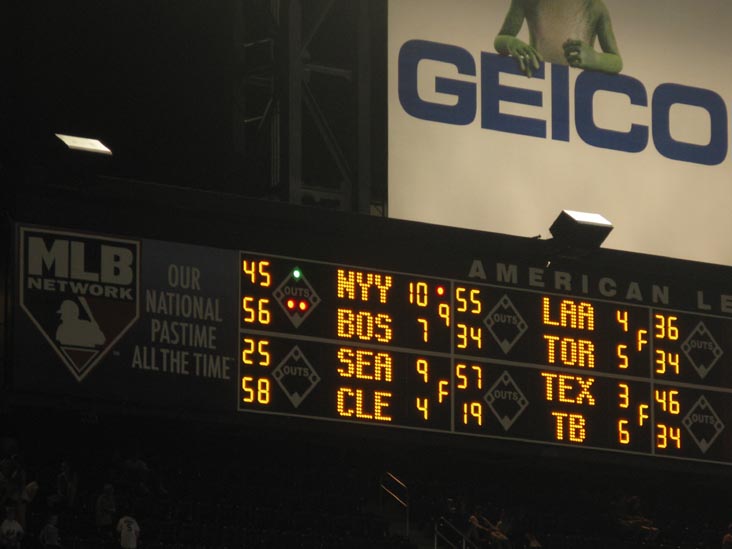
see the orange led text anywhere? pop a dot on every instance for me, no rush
(364, 364)
(357, 285)
(568, 389)
(568, 314)
(361, 404)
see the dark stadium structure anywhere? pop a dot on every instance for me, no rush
(218, 331)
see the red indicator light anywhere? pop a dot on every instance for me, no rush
(303, 306)
(290, 303)
(440, 290)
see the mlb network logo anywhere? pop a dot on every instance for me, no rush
(80, 290)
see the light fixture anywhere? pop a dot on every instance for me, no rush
(84, 144)
(580, 231)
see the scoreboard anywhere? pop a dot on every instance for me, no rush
(263, 310)
(357, 343)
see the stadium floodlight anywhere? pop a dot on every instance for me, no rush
(580, 230)
(84, 144)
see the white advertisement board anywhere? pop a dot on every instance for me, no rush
(502, 113)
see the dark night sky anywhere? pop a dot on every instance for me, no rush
(161, 83)
(155, 81)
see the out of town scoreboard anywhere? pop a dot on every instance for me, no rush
(382, 322)
(533, 363)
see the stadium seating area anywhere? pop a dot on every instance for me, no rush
(198, 485)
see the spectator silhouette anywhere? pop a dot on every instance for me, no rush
(105, 509)
(49, 536)
(633, 523)
(727, 538)
(67, 484)
(11, 532)
(129, 532)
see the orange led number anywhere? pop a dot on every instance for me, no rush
(668, 401)
(620, 351)
(466, 334)
(471, 303)
(425, 329)
(623, 433)
(665, 327)
(258, 272)
(251, 347)
(423, 369)
(666, 360)
(463, 383)
(473, 411)
(418, 294)
(255, 390)
(622, 318)
(256, 310)
(624, 395)
(462, 376)
(668, 436)
(423, 406)
(443, 311)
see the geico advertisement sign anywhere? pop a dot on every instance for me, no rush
(486, 133)
(491, 93)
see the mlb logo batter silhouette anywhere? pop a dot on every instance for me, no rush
(80, 290)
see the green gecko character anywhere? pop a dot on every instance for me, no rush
(562, 32)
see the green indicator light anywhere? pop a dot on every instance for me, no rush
(297, 273)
